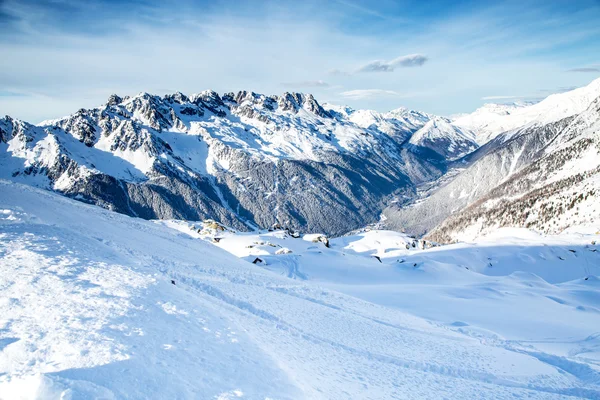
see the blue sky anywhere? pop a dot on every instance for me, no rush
(442, 57)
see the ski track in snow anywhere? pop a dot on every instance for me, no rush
(88, 310)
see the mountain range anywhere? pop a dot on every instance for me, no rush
(253, 161)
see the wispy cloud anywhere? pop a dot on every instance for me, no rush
(585, 69)
(338, 72)
(9, 93)
(307, 84)
(371, 11)
(561, 89)
(410, 60)
(504, 97)
(541, 93)
(360, 94)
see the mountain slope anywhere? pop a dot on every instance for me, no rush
(472, 177)
(250, 160)
(556, 191)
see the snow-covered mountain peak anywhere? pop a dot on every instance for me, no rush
(501, 108)
(491, 120)
(410, 118)
(114, 99)
(400, 111)
(446, 139)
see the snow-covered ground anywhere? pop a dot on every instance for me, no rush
(88, 310)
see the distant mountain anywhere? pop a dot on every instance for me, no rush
(446, 139)
(485, 188)
(243, 158)
(492, 119)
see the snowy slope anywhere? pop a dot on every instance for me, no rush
(400, 120)
(509, 289)
(492, 119)
(88, 310)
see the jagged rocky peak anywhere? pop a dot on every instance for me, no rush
(151, 110)
(207, 97)
(177, 97)
(295, 101)
(82, 126)
(163, 113)
(6, 129)
(114, 100)
(211, 101)
(11, 128)
(245, 99)
(313, 106)
(245, 96)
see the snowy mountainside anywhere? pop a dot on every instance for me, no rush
(89, 310)
(243, 158)
(471, 178)
(474, 176)
(556, 191)
(491, 120)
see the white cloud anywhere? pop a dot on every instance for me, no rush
(307, 84)
(585, 69)
(368, 93)
(337, 72)
(410, 60)
(503, 97)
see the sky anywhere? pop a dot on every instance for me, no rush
(442, 57)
